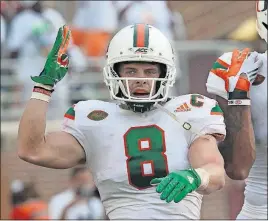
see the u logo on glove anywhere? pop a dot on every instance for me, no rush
(62, 57)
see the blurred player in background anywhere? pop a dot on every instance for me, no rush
(141, 140)
(246, 93)
(79, 200)
(32, 33)
(26, 202)
(155, 13)
(30, 38)
(3, 23)
(93, 35)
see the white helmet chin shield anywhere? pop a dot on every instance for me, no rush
(139, 43)
(262, 23)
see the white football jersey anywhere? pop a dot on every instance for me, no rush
(126, 150)
(256, 183)
(258, 95)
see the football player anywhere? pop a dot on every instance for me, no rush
(245, 110)
(152, 157)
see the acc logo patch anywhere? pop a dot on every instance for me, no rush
(142, 50)
(97, 115)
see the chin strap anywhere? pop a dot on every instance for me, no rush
(140, 107)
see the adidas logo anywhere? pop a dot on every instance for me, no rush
(190, 179)
(183, 108)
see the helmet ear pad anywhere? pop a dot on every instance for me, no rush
(163, 68)
(117, 66)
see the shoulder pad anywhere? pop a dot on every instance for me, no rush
(94, 104)
(202, 114)
(84, 105)
(192, 103)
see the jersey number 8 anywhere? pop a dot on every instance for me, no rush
(145, 150)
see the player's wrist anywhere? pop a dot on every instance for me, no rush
(239, 102)
(239, 97)
(42, 92)
(204, 178)
(238, 94)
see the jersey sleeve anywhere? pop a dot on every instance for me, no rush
(70, 126)
(202, 116)
(209, 120)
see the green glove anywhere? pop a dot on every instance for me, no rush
(176, 185)
(56, 65)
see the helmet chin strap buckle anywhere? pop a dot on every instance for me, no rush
(140, 107)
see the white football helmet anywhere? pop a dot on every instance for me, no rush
(262, 23)
(143, 43)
